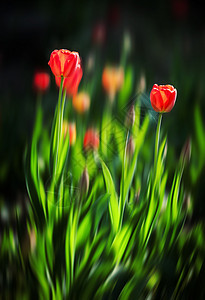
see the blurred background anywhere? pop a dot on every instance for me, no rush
(167, 45)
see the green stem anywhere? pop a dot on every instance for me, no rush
(62, 111)
(59, 120)
(157, 142)
(122, 196)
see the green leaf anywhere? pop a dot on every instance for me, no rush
(126, 90)
(200, 135)
(53, 142)
(138, 137)
(32, 184)
(84, 230)
(120, 242)
(113, 205)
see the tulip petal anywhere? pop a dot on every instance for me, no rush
(156, 100)
(72, 82)
(70, 64)
(171, 101)
(64, 55)
(55, 63)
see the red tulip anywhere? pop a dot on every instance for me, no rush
(163, 97)
(91, 139)
(71, 83)
(64, 62)
(41, 81)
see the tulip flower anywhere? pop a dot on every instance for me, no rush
(84, 182)
(141, 84)
(71, 128)
(130, 117)
(63, 63)
(112, 80)
(163, 97)
(130, 147)
(91, 139)
(81, 102)
(41, 81)
(71, 83)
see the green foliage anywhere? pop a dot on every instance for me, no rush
(108, 243)
(127, 237)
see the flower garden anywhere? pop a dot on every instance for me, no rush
(112, 205)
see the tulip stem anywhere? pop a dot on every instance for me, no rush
(59, 121)
(62, 109)
(157, 141)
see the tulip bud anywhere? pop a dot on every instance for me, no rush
(165, 152)
(142, 84)
(28, 243)
(186, 202)
(137, 196)
(84, 182)
(130, 117)
(130, 147)
(32, 237)
(90, 64)
(127, 42)
(186, 151)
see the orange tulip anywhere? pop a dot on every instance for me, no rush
(163, 97)
(71, 83)
(81, 102)
(64, 62)
(112, 80)
(91, 139)
(41, 81)
(71, 128)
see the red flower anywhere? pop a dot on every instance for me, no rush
(41, 81)
(71, 84)
(64, 62)
(91, 139)
(163, 97)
